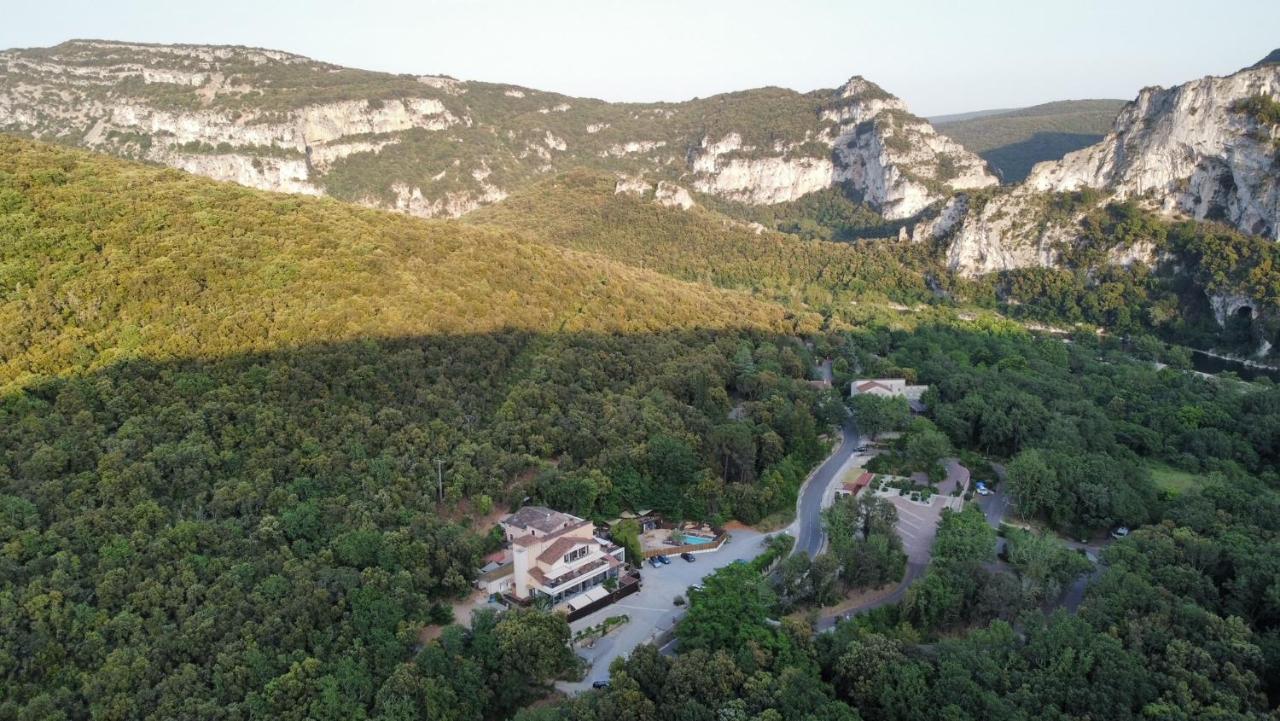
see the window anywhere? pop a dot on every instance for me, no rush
(575, 554)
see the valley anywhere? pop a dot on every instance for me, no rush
(286, 346)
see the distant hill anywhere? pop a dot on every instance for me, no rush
(1012, 141)
(435, 146)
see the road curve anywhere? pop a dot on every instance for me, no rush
(807, 528)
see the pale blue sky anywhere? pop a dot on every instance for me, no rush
(941, 57)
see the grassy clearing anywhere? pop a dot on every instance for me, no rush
(1173, 480)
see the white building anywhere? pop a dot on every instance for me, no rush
(552, 554)
(890, 388)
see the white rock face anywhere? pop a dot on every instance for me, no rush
(672, 196)
(451, 205)
(632, 147)
(631, 186)
(1186, 151)
(939, 227)
(281, 174)
(1225, 306)
(895, 160)
(979, 246)
(230, 113)
(1190, 148)
(768, 180)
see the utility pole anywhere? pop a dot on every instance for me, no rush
(440, 478)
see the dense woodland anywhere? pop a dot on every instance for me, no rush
(245, 439)
(1181, 622)
(201, 498)
(580, 210)
(1176, 627)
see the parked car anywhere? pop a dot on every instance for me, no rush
(687, 556)
(863, 449)
(653, 561)
(1120, 532)
(983, 490)
(599, 684)
(663, 560)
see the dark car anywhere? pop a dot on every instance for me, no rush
(663, 560)
(599, 684)
(687, 556)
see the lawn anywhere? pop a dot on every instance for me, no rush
(1172, 479)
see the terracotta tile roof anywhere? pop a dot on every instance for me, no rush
(561, 546)
(859, 483)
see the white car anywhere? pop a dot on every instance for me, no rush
(983, 490)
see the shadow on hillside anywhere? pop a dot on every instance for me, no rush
(248, 436)
(1014, 161)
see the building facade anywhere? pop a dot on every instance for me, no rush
(552, 555)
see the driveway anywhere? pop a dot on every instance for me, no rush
(652, 611)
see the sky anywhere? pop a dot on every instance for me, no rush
(939, 56)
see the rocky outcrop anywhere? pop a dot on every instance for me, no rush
(894, 160)
(672, 196)
(1226, 306)
(1194, 150)
(416, 143)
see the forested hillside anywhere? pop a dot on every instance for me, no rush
(581, 210)
(1014, 140)
(225, 414)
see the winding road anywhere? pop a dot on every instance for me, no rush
(807, 528)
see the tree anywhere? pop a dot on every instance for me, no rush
(964, 538)
(876, 414)
(626, 533)
(729, 611)
(1034, 484)
(924, 446)
(1044, 564)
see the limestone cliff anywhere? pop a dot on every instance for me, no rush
(433, 145)
(1207, 149)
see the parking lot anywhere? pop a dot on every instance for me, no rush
(652, 609)
(918, 525)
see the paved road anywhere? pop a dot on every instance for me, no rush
(807, 528)
(996, 507)
(914, 571)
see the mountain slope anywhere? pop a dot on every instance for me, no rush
(1207, 149)
(432, 146)
(1013, 141)
(100, 259)
(592, 212)
(244, 436)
